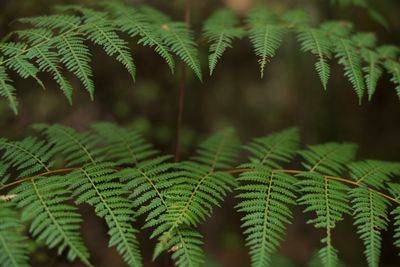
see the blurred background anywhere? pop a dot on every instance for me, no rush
(289, 95)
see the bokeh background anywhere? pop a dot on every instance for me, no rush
(289, 95)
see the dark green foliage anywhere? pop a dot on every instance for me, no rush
(13, 244)
(61, 41)
(266, 193)
(121, 176)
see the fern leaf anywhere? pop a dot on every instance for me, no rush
(29, 156)
(13, 244)
(181, 42)
(220, 29)
(134, 23)
(99, 30)
(76, 58)
(7, 90)
(199, 187)
(373, 173)
(326, 197)
(351, 60)
(42, 198)
(394, 69)
(48, 61)
(370, 213)
(59, 22)
(78, 148)
(394, 189)
(20, 64)
(316, 42)
(123, 146)
(265, 35)
(53, 222)
(97, 186)
(4, 174)
(266, 194)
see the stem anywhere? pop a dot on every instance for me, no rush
(182, 87)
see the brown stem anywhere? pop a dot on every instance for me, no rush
(182, 87)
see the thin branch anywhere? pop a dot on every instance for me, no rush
(234, 171)
(182, 87)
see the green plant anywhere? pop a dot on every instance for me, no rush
(46, 177)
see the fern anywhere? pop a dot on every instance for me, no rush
(7, 90)
(220, 29)
(315, 41)
(94, 184)
(266, 194)
(327, 198)
(199, 187)
(97, 186)
(395, 192)
(180, 39)
(13, 244)
(265, 35)
(134, 23)
(43, 201)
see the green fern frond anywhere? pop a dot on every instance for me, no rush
(316, 42)
(48, 62)
(351, 61)
(394, 189)
(199, 187)
(265, 34)
(266, 193)
(123, 146)
(54, 222)
(180, 40)
(76, 58)
(135, 23)
(373, 173)
(371, 218)
(42, 199)
(20, 63)
(326, 197)
(98, 186)
(4, 174)
(59, 22)
(13, 243)
(7, 90)
(29, 156)
(78, 148)
(220, 29)
(100, 31)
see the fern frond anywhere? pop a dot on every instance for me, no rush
(373, 173)
(76, 58)
(20, 63)
(42, 199)
(370, 213)
(78, 148)
(394, 69)
(265, 194)
(220, 29)
(98, 186)
(4, 174)
(394, 189)
(99, 29)
(199, 187)
(54, 222)
(29, 156)
(7, 90)
(265, 34)
(123, 146)
(326, 197)
(59, 22)
(13, 243)
(135, 23)
(316, 42)
(180, 39)
(351, 61)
